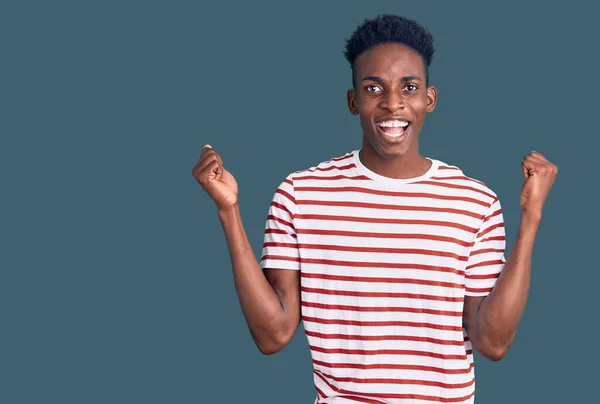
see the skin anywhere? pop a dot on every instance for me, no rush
(270, 300)
(390, 83)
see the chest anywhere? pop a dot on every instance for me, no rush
(413, 245)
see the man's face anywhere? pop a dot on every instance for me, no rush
(390, 93)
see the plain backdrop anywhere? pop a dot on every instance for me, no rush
(116, 284)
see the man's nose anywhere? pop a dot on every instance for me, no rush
(393, 101)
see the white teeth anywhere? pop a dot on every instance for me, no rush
(396, 135)
(394, 124)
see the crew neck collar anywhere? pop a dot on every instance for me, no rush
(380, 178)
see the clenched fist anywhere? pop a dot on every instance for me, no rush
(218, 183)
(539, 176)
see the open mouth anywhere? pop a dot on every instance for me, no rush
(393, 129)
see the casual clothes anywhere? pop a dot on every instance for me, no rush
(385, 267)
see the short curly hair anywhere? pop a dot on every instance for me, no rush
(388, 28)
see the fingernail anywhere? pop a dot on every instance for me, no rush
(207, 145)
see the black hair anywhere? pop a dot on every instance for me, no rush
(388, 28)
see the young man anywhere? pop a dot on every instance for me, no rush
(394, 261)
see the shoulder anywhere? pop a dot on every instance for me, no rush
(326, 169)
(334, 168)
(454, 177)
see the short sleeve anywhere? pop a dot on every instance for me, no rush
(486, 260)
(280, 248)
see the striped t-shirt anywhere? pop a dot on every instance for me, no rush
(385, 265)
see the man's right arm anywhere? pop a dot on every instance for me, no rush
(270, 300)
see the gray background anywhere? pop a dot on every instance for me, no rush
(116, 284)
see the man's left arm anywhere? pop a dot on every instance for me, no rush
(491, 321)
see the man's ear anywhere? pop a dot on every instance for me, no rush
(352, 102)
(432, 96)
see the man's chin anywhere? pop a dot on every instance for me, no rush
(389, 151)
(391, 146)
(391, 154)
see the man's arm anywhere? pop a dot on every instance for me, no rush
(491, 322)
(270, 300)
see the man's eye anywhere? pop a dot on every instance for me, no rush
(411, 87)
(372, 89)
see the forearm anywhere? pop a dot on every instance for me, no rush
(500, 312)
(260, 304)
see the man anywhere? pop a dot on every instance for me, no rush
(394, 261)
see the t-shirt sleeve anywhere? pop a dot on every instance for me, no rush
(280, 248)
(486, 260)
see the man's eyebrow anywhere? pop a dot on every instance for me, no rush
(380, 80)
(373, 78)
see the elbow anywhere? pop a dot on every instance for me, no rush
(273, 342)
(269, 347)
(494, 351)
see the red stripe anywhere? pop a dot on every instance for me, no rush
(399, 381)
(331, 386)
(460, 177)
(383, 323)
(496, 213)
(383, 250)
(489, 229)
(385, 235)
(381, 294)
(341, 168)
(381, 280)
(485, 264)
(487, 250)
(455, 186)
(280, 258)
(387, 221)
(279, 231)
(376, 309)
(271, 217)
(495, 238)
(490, 276)
(333, 177)
(282, 207)
(448, 168)
(349, 397)
(393, 193)
(360, 399)
(349, 204)
(387, 352)
(341, 158)
(285, 245)
(478, 290)
(352, 394)
(287, 195)
(320, 393)
(394, 337)
(392, 366)
(358, 264)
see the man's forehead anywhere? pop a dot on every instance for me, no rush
(389, 58)
(395, 51)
